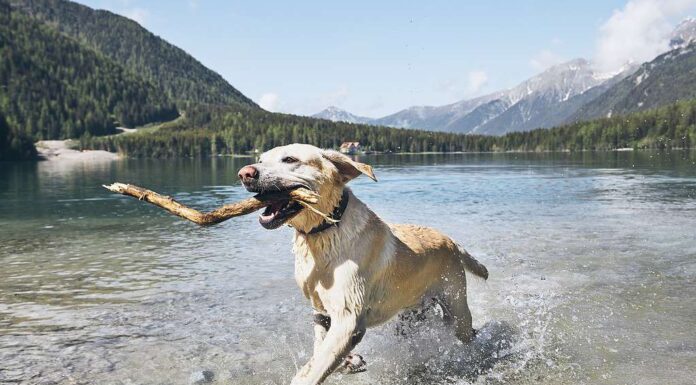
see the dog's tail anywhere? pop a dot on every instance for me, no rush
(472, 265)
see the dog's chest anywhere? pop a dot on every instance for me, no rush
(325, 280)
(309, 276)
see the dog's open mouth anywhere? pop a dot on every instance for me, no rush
(279, 212)
(280, 206)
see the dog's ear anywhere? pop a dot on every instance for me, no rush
(347, 167)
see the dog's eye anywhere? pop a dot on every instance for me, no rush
(289, 159)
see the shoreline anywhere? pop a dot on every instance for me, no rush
(64, 150)
(625, 149)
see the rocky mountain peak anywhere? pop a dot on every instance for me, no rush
(336, 114)
(683, 34)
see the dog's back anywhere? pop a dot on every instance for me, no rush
(426, 242)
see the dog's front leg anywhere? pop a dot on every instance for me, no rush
(345, 332)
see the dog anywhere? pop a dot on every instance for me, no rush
(356, 270)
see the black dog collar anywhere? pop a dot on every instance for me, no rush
(335, 215)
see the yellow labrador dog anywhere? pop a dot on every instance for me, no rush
(358, 272)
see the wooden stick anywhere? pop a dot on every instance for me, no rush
(223, 213)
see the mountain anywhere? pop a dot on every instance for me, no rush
(181, 77)
(434, 118)
(544, 100)
(336, 114)
(669, 78)
(683, 34)
(51, 87)
(480, 116)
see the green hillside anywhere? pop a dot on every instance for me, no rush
(205, 132)
(668, 127)
(667, 79)
(180, 76)
(13, 144)
(51, 87)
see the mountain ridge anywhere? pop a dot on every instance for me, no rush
(336, 114)
(667, 79)
(52, 87)
(178, 74)
(521, 108)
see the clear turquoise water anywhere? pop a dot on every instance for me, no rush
(592, 260)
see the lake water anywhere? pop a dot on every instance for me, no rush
(592, 261)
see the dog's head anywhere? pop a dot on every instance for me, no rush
(301, 165)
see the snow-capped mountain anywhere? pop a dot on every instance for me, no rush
(338, 115)
(683, 34)
(544, 100)
(667, 79)
(434, 118)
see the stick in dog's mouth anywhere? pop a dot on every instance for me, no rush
(273, 204)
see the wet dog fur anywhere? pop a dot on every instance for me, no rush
(362, 272)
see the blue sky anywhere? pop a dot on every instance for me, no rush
(375, 58)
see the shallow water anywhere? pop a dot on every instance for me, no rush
(592, 260)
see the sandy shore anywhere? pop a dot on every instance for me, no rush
(61, 150)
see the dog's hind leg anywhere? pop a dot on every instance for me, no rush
(456, 309)
(408, 321)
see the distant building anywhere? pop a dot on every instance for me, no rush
(350, 147)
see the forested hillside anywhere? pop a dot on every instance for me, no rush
(672, 126)
(51, 87)
(206, 132)
(14, 145)
(180, 76)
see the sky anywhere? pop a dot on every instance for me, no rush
(374, 58)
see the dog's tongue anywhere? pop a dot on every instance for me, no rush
(271, 211)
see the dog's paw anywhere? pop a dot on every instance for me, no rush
(353, 363)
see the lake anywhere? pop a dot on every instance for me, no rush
(592, 261)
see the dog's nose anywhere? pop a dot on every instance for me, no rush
(247, 173)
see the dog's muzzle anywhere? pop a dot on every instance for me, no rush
(278, 211)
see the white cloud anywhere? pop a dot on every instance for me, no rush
(193, 4)
(448, 86)
(638, 32)
(269, 101)
(374, 106)
(545, 59)
(336, 97)
(139, 15)
(475, 81)
(456, 89)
